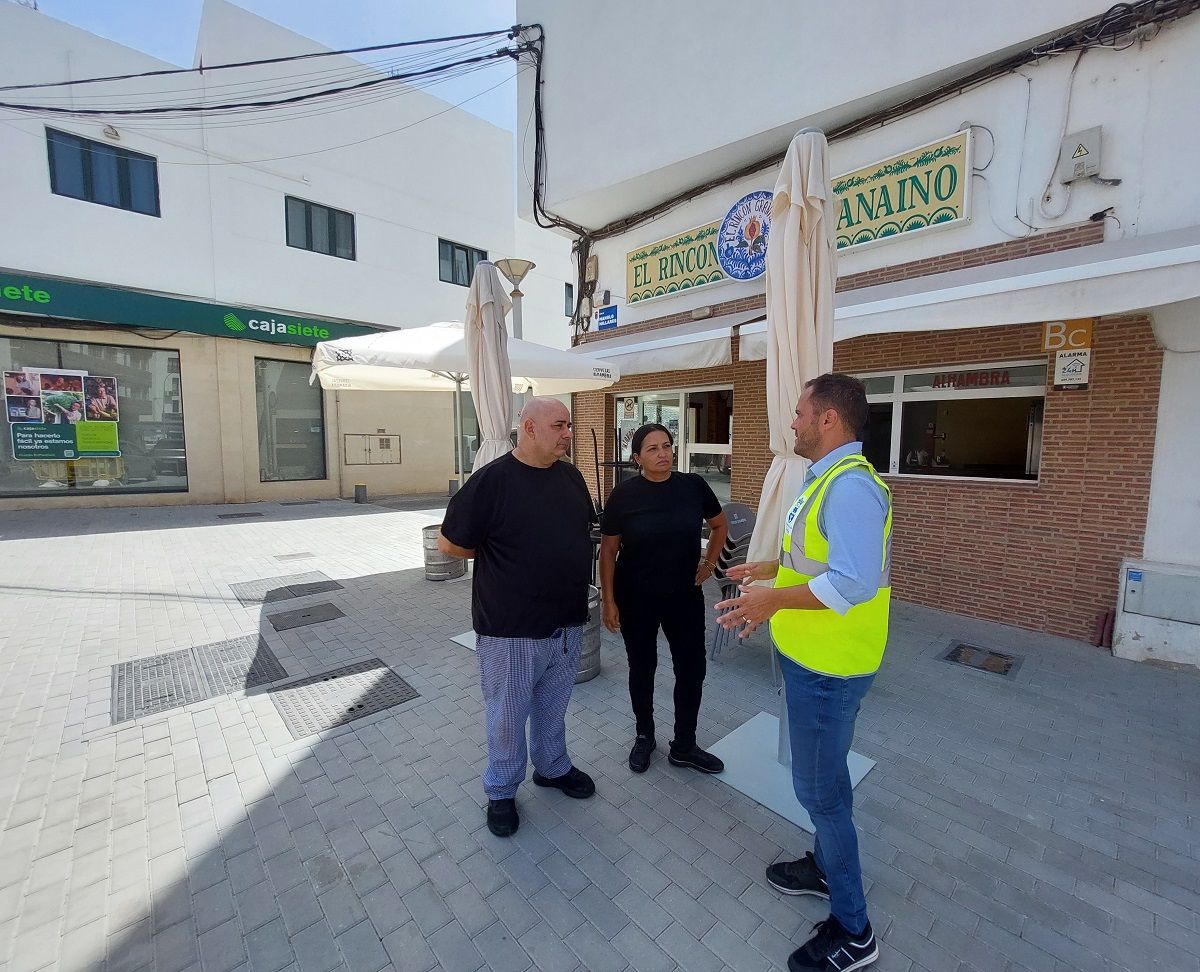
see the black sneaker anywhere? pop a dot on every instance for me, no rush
(574, 783)
(696, 758)
(639, 756)
(798, 877)
(833, 949)
(502, 819)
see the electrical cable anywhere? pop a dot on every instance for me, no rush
(1045, 194)
(510, 32)
(331, 148)
(290, 100)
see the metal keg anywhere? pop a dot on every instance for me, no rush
(439, 566)
(589, 657)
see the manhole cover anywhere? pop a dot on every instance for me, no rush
(984, 659)
(145, 686)
(236, 516)
(302, 555)
(326, 701)
(304, 616)
(267, 589)
(240, 663)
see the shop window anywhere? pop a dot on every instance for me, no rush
(976, 422)
(456, 263)
(87, 418)
(101, 173)
(319, 228)
(291, 422)
(701, 423)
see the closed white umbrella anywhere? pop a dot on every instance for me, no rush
(801, 279)
(801, 274)
(487, 362)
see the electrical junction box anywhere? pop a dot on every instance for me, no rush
(1158, 613)
(1079, 156)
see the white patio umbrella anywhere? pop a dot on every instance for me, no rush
(801, 279)
(434, 358)
(801, 274)
(488, 364)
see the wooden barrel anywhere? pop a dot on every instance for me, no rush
(439, 566)
(589, 658)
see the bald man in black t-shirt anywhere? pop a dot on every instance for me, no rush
(526, 520)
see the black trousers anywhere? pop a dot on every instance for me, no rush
(681, 617)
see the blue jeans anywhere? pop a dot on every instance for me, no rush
(821, 713)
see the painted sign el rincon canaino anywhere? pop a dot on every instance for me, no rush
(679, 262)
(919, 189)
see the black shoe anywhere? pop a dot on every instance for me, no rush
(833, 949)
(798, 877)
(696, 758)
(502, 817)
(574, 783)
(639, 756)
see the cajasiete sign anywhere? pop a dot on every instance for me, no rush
(925, 188)
(920, 189)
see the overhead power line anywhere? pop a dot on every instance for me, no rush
(202, 69)
(382, 79)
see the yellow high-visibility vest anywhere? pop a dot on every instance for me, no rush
(822, 640)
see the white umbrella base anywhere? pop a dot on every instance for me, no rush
(466, 639)
(751, 767)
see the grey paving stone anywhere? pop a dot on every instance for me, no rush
(362, 949)
(500, 949)
(407, 948)
(221, 947)
(268, 947)
(315, 948)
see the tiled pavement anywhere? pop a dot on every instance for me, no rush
(1050, 822)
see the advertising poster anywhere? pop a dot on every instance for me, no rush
(56, 414)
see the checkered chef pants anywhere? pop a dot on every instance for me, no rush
(526, 680)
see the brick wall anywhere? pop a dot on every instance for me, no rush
(1042, 556)
(1045, 555)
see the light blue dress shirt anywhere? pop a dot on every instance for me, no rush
(852, 520)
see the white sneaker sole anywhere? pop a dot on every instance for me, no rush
(824, 896)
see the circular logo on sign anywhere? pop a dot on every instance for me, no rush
(742, 239)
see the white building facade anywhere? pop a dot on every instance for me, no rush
(185, 265)
(989, 186)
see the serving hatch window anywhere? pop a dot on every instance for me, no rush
(980, 422)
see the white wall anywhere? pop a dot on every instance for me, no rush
(642, 98)
(221, 235)
(1139, 97)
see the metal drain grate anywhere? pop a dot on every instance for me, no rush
(302, 555)
(301, 617)
(240, 663)
(267, 589)
(326, 701)
(236, 516)
(145, 686)
(300, 503)
(983, 659)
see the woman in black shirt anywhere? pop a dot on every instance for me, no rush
(650, 576)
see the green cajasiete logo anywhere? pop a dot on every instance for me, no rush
(233, 323)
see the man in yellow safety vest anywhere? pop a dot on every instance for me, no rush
(828, 614)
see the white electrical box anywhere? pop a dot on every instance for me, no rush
(1079, 156)
(1158, 613)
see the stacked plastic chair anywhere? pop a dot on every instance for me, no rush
(737, 545)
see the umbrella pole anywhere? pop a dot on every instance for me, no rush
(458, 418)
